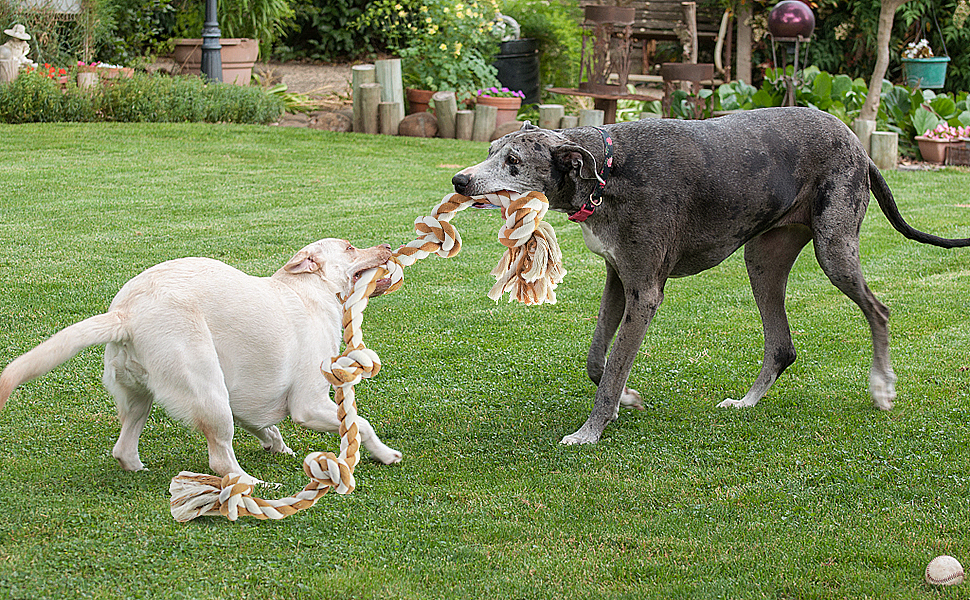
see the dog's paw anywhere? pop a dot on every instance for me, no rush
(583, 436)
(883, 390)
(387, 456)
(630, 398)
(732, 403)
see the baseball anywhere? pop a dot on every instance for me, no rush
(944, 570)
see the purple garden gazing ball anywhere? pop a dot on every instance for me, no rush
(791, 18)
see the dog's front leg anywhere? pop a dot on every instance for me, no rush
(323, 417)
(640, 306)
(612, 307)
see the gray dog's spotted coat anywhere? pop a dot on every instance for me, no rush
(682, 197)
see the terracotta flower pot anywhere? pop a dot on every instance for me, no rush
(508, 108)
(418, 100)
(238, 58)
(932, 150)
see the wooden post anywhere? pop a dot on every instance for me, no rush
(391, 114)
(484, 122)
(388, 74)
(550, 115)
(360, 75)
(885, 149)
(569, 121)
(445, 108)
(690, 18)
(370, 100)
(591, 117)
(464, 124)
(742, 71)
(863, 129)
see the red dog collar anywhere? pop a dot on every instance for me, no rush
(596, 198)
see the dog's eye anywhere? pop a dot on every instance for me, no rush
(511, 159)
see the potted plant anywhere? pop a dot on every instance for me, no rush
(933, 144)
(921, 68)
(505, 100)
(444, 45)
(246, 25)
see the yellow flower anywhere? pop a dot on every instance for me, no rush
(443, 47)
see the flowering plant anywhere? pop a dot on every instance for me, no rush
(90, 68)
(496, 92)
(920, 49)
(946, 133)
(443, 44)
(51, 72)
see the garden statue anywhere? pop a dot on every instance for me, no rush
(18, 45)
(8, 65)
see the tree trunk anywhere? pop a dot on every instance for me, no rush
(887, 13)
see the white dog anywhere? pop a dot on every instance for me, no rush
(211, 345)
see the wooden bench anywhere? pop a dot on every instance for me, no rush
(656, 20)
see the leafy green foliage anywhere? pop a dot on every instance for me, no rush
(327, 30)
(33, 97)
(139, 28)
(555, 24)
(443, 44)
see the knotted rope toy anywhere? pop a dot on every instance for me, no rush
(529, 271)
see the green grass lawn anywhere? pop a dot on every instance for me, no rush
(811, 494)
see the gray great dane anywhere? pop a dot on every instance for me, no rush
(662, 198)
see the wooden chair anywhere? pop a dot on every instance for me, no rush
(692, 77)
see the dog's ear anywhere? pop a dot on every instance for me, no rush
(304, 261)
(570, 157)
(528, 126)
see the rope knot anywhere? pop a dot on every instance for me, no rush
(349, 368)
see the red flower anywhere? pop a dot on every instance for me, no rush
(62, 71)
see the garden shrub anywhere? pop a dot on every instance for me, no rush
(34, 97)
(327, 30)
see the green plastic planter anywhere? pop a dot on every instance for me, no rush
(925, 72)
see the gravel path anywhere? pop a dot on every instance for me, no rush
(309, 79)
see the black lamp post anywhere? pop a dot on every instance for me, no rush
(211, 48)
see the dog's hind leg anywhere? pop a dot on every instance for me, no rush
(769, 259)
(133, 401)
(839, 258)
(612, 305)
(270, 438)
(188, 382)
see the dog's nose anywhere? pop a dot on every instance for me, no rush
(461, 181)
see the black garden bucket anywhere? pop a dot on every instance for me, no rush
(518, 67)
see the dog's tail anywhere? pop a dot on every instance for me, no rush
(888, 205)
(59, 348)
